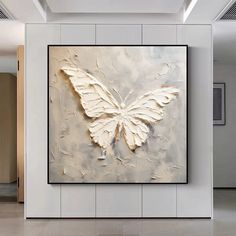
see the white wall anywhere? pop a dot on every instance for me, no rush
(225, 136)
(8, 64)
(12, 35)
(191, 200)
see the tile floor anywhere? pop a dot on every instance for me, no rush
(224, 224)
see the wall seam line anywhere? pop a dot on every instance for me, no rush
(212, 139)
(60, 184)
(141, 200)
(141, 35)
(95, 33)
(95, 186)
(25, 122)
(176, 189)
(60, 201)
(95, 200)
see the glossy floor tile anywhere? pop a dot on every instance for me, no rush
(224, 224)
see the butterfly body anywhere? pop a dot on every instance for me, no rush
(122, 105)
(112, 119)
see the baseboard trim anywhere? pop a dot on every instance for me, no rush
(119, 218)
(225, 188)
(8, 199)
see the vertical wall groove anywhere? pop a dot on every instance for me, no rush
(176, 189)
(95, 34)
(142, 34)
(142, 184)
(60, 184)
(95, 200)
(95, 186)
(211, 158)
(25, 126)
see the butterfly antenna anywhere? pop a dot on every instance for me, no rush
(121, 99)
(130, 92)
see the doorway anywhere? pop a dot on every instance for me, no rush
(8, 161)
(12, 132)
(224, 129)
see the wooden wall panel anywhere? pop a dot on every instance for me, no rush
(20, 124)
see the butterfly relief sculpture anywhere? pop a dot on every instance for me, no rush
(112, 119)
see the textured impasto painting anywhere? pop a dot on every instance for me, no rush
(117, 114)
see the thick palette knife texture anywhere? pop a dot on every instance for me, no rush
(112, 117)
(117, 114)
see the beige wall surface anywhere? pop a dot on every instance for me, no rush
(7, 128)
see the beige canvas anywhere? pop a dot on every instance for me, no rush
(117, 114)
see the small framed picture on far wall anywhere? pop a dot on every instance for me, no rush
(219, 108)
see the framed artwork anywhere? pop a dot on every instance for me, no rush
(117, 114)
(219, 104)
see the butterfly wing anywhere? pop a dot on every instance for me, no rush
(146, 109)
(95, 97)
(103, 131)
(98, 103)
(135, 132)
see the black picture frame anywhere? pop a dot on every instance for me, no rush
(186, 112)
(219, 104)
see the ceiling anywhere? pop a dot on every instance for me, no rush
(111, 11)
(119, 12)
(12, 34)
(111, 6)
(225, 42)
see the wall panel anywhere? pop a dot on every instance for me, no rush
(191, 200)
(159, 200)
(77, 34)
(225, 136)
(118, 200)
(77, 200)
(159, 34)
(42, 200)
(123, 201)
(195, 199)
(118, 34)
